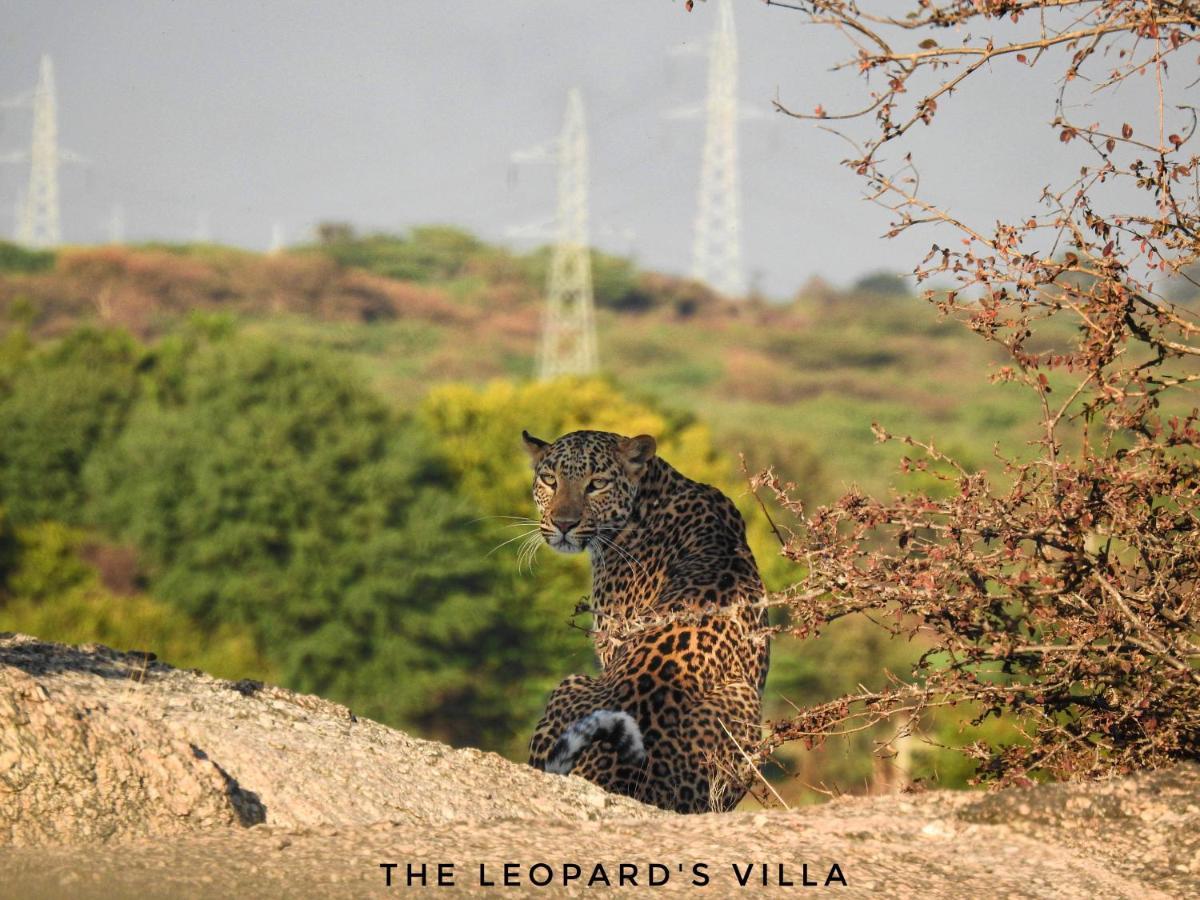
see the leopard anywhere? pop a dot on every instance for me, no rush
(679, 626)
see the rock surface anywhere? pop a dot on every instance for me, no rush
(98, 746)
(121, 778)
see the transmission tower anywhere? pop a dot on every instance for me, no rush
(569, 328)
(717, 251)
(203, 232)
(116, 225)
(40, 225)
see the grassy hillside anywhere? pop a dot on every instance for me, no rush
(796, 385)
(793, 385)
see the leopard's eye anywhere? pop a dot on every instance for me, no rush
(548, 480)
(598, 484)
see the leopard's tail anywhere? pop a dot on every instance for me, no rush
(619, 728)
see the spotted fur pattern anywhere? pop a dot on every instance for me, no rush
(678, 626)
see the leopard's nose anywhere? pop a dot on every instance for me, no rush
(564, 524)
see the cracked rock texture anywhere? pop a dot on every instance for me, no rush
(98, 746)
(121, 777)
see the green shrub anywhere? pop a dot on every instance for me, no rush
(269, 488)
(47, 590)
(57, 407)
(428, 253)
(19, 260)
(883, 284)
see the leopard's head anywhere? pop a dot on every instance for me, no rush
(585, 484)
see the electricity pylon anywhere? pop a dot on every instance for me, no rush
(568, 326)
(717, 250)
(116, 225)
(278, 242)
(40, 225)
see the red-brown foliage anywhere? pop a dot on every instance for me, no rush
(144, 290)
(116, 566)
(1063, 588)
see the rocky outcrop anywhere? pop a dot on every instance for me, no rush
(122, 777)
(98, 746)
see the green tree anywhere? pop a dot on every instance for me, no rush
(882, 284)
(271, 489)
(17, 259)
(427, 253)
(57, 407)
(616, 282)
(479, 432)
(46, 589)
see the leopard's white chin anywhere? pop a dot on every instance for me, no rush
(566, 545)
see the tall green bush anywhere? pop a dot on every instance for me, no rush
(48, 590)
(20, 260)
(267, 487)
(427, 253)
(57, 407)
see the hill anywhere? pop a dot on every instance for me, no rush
(304, 466)
(794, 384)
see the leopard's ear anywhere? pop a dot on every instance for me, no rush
(536, 446)
(637, 451)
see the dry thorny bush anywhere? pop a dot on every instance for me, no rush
(1059, 589)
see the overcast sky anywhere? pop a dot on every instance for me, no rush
(401, 112)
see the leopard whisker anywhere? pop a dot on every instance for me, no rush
(510, 540)
(528, 552)
(623, 552)
(525, 519)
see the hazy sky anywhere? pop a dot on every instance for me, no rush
(402, 112)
